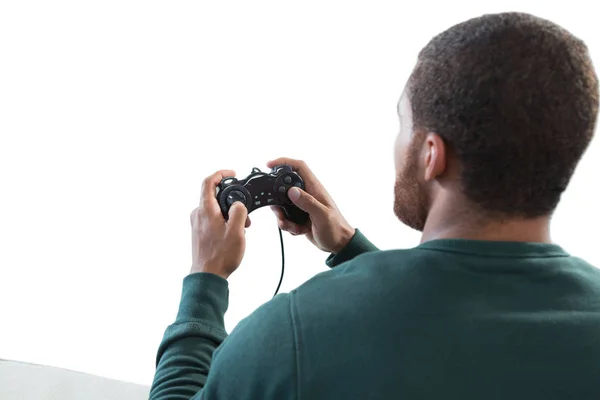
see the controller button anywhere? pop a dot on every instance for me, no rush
(287, 179)
(281, 189)
(298, 184)
(235, 195)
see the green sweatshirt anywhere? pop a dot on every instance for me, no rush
(449, 319)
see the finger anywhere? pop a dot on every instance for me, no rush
(248, 222)
(311, 184)
(297, 165)
(238, 214)
(193, 216)
(308, 203)
(291, 227)
(209, 186)
(278, 211)
(288, 225)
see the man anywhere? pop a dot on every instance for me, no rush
(494, 119)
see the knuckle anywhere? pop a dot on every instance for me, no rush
(208, 181)
(237, 236)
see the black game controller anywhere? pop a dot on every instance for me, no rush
(261, 189)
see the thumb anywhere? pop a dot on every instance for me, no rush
(306, 202)
(237, 215)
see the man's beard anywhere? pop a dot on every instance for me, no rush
(411, 201)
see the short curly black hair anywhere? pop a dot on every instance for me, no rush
(515, 97)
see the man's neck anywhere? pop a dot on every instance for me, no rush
(455, 221)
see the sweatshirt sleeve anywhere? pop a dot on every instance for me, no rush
(197, 361)
(185, 353)
(358, 244)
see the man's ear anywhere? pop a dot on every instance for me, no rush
(436, 154)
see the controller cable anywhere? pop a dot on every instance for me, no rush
(282, 263)
(255, 173)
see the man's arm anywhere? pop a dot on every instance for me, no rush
(263, 339)
(218, 246)
(185, 353)
(257, 361)
(359, 244)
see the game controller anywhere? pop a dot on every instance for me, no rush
(261, 189)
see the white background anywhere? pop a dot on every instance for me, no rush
(112, 113)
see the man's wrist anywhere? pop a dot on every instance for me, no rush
(210, 269)
(358, 244)
(346, 236)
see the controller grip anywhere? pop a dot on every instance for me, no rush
(296, 215)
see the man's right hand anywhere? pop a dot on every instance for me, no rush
(327, 228)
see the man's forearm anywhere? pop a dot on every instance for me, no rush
(185, 353)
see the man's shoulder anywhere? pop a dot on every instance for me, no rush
(584, 271)
(374, 263)
(366, 274)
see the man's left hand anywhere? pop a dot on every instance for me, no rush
(217, 245)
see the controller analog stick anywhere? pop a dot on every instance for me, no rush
(235, 195)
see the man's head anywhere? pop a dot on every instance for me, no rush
(497, 113)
